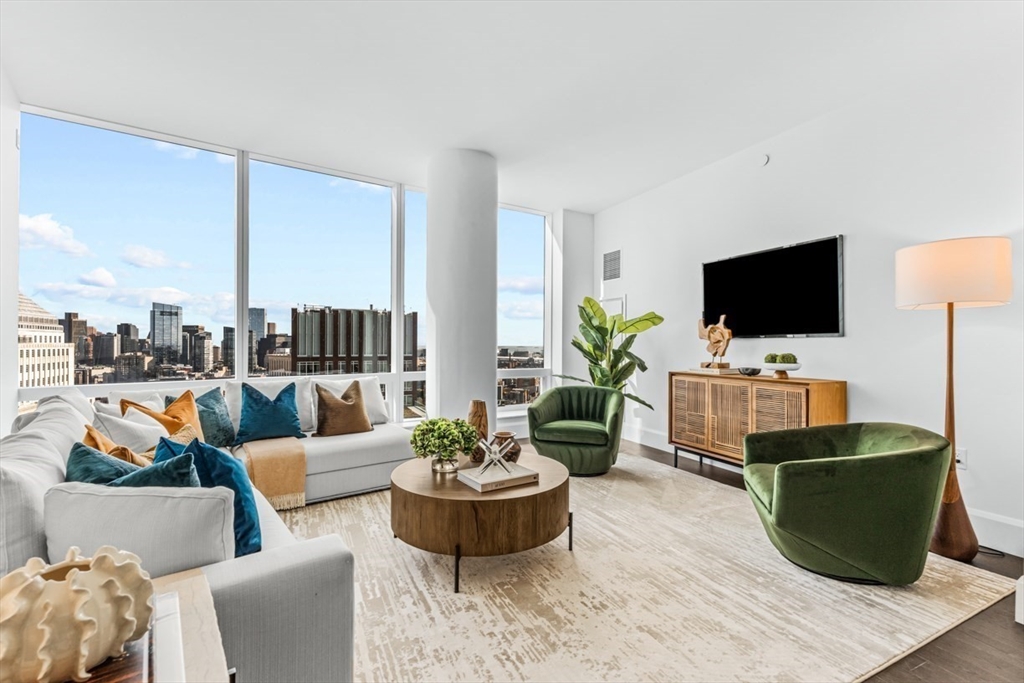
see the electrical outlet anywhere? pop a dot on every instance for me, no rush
(961, 458)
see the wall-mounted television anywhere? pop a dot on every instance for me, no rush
(794, 291)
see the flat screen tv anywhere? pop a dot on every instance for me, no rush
(794, 291)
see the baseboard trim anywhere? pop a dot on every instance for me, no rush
(995, 531)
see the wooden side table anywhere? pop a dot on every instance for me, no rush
(183, 644)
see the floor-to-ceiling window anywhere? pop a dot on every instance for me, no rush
(319, 273)
(131, 252)
(521, 306)
(125, 265)
(414, 341)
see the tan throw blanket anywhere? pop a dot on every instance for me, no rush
(277, 467)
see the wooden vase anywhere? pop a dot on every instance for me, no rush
(478, 418)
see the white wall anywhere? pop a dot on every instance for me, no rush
(941, 159)
(10, 121)
(572, 279)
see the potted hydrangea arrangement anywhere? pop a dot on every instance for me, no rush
(442, 440)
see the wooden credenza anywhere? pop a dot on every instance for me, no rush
(710, 414)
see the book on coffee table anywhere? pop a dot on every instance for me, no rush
(495, 478)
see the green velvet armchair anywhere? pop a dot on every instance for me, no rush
(579, 426)
(855, 502)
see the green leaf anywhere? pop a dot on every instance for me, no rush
(595, 311)
(596, 341)
(575, 379)
(625, 372)
(642, 323)
(640, 364)
(617, 357)
(599, 374)
(625, 346)
(586, 350)
(615, 323)
(639, 400)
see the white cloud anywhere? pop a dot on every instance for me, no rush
(349, 184)
(179, 151)
(523, 310)
(144, 257)
(219, 306)
(224, 158)
(42, 232)
(522, 285)
(100, 277)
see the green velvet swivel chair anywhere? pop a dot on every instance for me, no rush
(855, 502)
(579, 426)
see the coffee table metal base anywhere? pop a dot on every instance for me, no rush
(458, 554)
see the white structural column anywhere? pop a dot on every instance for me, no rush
(572, 279)
(10, 122)
(462, 284)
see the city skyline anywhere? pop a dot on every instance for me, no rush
(111, 223)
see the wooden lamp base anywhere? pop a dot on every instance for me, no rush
(954, 535)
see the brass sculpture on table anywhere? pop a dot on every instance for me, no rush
(718, 337)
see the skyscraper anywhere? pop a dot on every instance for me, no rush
(188, 343)
(165, 333)
(75, 331)
(129, 337)
(258, 322)
(341, 340)
(45, 359)
(202, 352)
(227, 349)
(106, 348)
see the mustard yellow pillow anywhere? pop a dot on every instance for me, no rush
(98, 440)
(175, 416)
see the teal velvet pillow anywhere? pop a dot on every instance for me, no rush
(263, 418)
(90, 466)
(178, 472)
(217, 468)
(214, 418)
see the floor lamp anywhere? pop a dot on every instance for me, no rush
(960, 273)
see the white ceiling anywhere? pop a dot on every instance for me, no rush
(583, 104)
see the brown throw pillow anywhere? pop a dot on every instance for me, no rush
(341, 415)
(96, 439)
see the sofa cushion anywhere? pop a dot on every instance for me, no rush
(573, 431)
(213, 417)
(180, 412)
(152, 399)
(263, 418)
(386, 443)
(345, 414)
(60, 424)
(170, 529)
(29, 465)
(376, 406)
(271, 388)
(219, 468)
(179, 472)
(74, 398)
(134, 431)
(760, 479)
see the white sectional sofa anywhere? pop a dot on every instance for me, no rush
(285, 613)
(336, 466)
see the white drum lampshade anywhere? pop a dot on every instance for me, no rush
(967, 272)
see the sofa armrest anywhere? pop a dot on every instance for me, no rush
(544, 409)
(287, 614)
(808, 443)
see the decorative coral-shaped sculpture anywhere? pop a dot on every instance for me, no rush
(58, 621)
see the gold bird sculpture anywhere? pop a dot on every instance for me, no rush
(718, 337)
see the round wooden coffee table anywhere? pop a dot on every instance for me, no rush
(440, 514)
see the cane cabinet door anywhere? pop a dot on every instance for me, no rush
(689, 418)
(730, 416)
(778, 408)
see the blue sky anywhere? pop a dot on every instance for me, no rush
(112, 222)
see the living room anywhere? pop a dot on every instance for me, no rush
(554, 196)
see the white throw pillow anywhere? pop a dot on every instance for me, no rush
(376, 406)
(154, 400)
(136, 431)
(271, 388)
(107, 409)
(170, 529)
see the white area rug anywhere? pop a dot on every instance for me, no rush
(672, 579)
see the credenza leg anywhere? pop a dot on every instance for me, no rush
(458, 557)
(676, 463)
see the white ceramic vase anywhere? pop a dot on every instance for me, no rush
(58, 621)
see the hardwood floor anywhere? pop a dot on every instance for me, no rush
(988, 647)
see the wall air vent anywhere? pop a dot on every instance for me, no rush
(612, 265)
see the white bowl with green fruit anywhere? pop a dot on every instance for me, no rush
(781, 364)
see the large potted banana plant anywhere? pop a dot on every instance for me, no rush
(607, 346)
